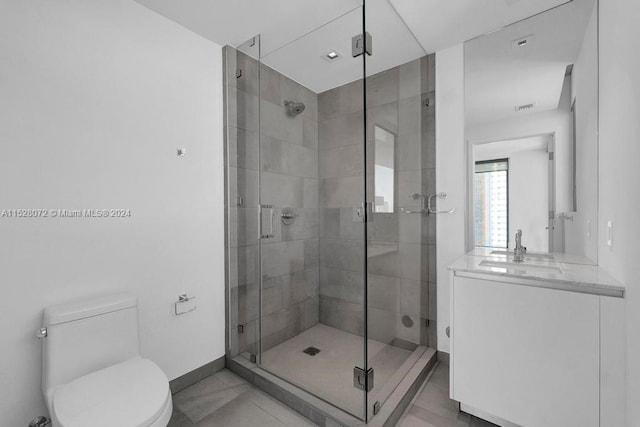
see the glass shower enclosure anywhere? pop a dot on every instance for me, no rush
(330, 157)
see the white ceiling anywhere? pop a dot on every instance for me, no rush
(500, 76)
(438, 24)
(303, 59)
(295, 34)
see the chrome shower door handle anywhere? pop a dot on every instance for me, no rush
(271, 233)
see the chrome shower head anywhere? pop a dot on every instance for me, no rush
(294, 108)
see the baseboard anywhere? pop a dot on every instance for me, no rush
(486, 416)
(443, 357)
(198, 374)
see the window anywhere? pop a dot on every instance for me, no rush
(491, 203)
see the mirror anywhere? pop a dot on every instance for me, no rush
(531, 121)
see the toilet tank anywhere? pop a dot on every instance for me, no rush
(85, 336)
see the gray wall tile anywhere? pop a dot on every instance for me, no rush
(330, 222)
(242, 148)
(342, 284)
(242, 110)
(248, 81)
(328, 104)
(282, 258)
(409, 79)
(383, 292)
(341, 130)
(281, 190)
(342, 254)
(311, 253)
(275, 122)
(243, 183)
(270, 85)
(382, 88)
(342, 315)
(311, 312)
(342, 192)
(310, 193)
(409, 151)
(350, 97)
(243, 226)
(310, 133)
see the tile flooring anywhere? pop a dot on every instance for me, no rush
(224, 399)
(432, 407)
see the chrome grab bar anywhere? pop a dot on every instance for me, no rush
(431, 211)
(407, 211)
(415, 196)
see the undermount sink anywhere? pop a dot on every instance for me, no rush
(541, 257)
(520, 266)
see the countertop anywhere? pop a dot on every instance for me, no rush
(573, 277)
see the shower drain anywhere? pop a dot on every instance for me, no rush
(311, 351)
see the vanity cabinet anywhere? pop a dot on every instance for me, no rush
(527, 354)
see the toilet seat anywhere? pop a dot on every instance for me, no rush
(134, 393)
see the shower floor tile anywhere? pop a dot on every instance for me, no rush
(329, 374)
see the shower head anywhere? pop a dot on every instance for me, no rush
(293, 108)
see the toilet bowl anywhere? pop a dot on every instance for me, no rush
(92, 370)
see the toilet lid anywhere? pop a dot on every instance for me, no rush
(129, 394)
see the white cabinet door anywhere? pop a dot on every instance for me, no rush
(527, 355)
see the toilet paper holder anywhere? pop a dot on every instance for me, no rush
(184, 305)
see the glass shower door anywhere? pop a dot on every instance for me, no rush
(400, 178)
(242, 198)
(312, 237)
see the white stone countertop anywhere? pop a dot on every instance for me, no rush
(536, 271)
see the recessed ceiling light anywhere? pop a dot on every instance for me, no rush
(332, 55)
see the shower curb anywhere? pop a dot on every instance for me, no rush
(322, 413)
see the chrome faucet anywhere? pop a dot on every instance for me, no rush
(519, 251)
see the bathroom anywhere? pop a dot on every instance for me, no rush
(310, 260)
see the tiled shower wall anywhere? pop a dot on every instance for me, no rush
(289, 164)
(287, 160)
(313, 164)
(401, 246)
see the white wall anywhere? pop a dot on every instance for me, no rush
(529, 199)
(528, 196)
(95, 96)
(580, 236)
(557, 122)
(619, 155)
(450, 174)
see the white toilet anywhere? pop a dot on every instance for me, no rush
(92, 372)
